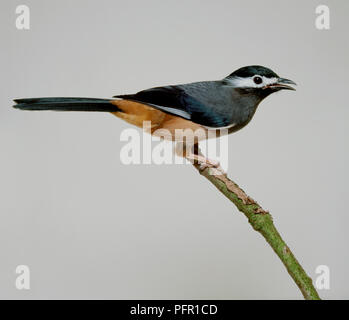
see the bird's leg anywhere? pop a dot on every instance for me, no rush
(193, 154)
(205, 162)
(202, 161)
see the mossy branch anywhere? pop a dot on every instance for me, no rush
(262, 222)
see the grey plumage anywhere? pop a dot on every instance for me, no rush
(231, 101)
(213, 104)
(229, 105)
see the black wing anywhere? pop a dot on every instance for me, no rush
(174, 100)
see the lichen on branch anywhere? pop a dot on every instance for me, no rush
(262, 222)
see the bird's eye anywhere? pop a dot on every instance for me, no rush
(257, 80)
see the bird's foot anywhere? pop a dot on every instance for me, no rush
(204, 163)
(215, 167)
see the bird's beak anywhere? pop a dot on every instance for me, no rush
(283, 83)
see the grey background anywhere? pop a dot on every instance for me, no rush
(90, 227)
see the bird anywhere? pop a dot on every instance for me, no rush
(225, 105)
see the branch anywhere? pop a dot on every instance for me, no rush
(262, 222)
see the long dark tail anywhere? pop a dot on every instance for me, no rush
(66, 104)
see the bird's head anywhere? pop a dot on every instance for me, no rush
(258, 80)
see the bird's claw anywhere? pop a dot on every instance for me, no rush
(215, 167)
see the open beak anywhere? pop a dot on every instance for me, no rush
(283, 83)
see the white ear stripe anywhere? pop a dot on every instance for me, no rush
(249, 83)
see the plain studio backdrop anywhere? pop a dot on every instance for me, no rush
(88, 226)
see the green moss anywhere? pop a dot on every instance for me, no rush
(262, 222)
